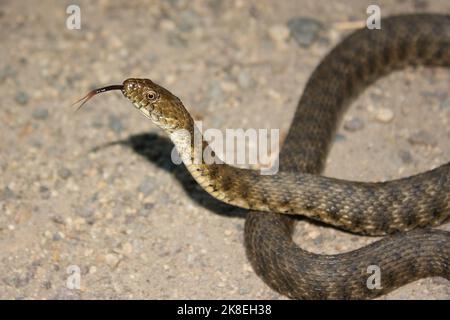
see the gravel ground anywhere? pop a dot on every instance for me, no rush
(96, 189)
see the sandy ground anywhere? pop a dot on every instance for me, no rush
(96, 189)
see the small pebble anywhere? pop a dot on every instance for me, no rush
(384, 115)
(353, 124)
(22, 98)
(279, 33)
(40, 114)
(445, 104)
(146, 187)
(6, 72)
(439, 95)
(78, 223)
(146, 209)
(127, 248)
(7, 193)
(176, 40)
(188, 21)
(97, 124)
(47, 285)
(19, 281)
(45, 192)
(215, 91)
(229, 86)
(422, 137)
(244, 80)
(243, 291)
(57, 236)
(304, 30)
(35, 142)
(48, 234)
(420, 4)
(406, 156)
(85, 212)
(112, 259)
(115, 123)
(377, 95)
(339, 137)
(64, 173)
(167, 25)
(58, 219)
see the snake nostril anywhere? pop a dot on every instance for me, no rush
(130, 85)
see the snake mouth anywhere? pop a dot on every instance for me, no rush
(143, 110)
(94, 92)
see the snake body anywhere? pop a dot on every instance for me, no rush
(357, 61)
(373, 208)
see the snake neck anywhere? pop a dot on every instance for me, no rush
(205, 166)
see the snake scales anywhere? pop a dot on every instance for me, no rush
(372, 208)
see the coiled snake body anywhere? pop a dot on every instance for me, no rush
(362, 207)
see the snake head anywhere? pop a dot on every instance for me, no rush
(156, 103)
(153, 101)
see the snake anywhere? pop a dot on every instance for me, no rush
(403, 210)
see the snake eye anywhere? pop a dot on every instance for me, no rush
(151, 95)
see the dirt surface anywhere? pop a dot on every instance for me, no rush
(97, 190)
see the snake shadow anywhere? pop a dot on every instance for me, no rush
(157, 150)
